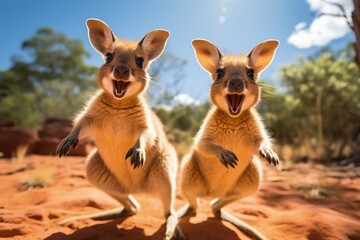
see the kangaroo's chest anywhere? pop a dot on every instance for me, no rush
(114, 136)
(219, 178)
(237, 140)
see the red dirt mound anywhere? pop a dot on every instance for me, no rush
(301, 202)
(51, 134)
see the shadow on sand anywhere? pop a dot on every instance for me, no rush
(207, 229)
(108, 231)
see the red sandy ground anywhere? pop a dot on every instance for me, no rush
(278, 210)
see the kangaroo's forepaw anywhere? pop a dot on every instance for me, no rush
(269, 155)
(137, 157)
(227, 157)
(65, 144)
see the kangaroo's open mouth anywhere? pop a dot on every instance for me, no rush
(120, 88)
(235, 102)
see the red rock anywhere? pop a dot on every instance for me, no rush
(56, 128)
(12, 138)
(53, 132)
(7, 123)
(47, 146)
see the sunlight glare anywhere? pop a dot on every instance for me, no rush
(222, 19)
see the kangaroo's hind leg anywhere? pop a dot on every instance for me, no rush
(163, 181)
(247, 184)
(193, 185)
(100, 176)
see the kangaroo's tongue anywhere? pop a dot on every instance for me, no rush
(120, 88)
(234, 101)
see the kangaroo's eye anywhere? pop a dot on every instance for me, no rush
(250, 74)
(139, 62)
(219, 73)
(109, 57)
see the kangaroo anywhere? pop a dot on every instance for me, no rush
(232, 134)
(132, 152)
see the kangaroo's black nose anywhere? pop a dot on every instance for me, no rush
(236, 85)
(122, 72)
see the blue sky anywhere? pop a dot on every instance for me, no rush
(233, 25)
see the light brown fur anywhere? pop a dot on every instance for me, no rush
(132, 153)
(223, 134)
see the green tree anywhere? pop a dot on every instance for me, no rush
(52, 81)
(183, 120)
(321, 103)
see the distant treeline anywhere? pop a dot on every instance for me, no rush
(317, 104)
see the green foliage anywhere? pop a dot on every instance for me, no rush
(321, 103)
(52, 82)
(183, 121)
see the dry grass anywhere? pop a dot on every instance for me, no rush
(38, 178)
(318, 188)
(19, 155)
(310, 150)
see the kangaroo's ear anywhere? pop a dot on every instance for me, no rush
(262, 54)
(207, 54)
(154, 43)
(100, 35)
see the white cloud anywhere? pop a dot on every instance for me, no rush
(222, 19)
(324, 6)
(185, 99)
(323, 29)
(164, 106)
(300, 26)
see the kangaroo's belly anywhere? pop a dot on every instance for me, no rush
(220, 179)
(113, 142)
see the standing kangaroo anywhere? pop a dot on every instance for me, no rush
(231, 135)
(133, 154)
